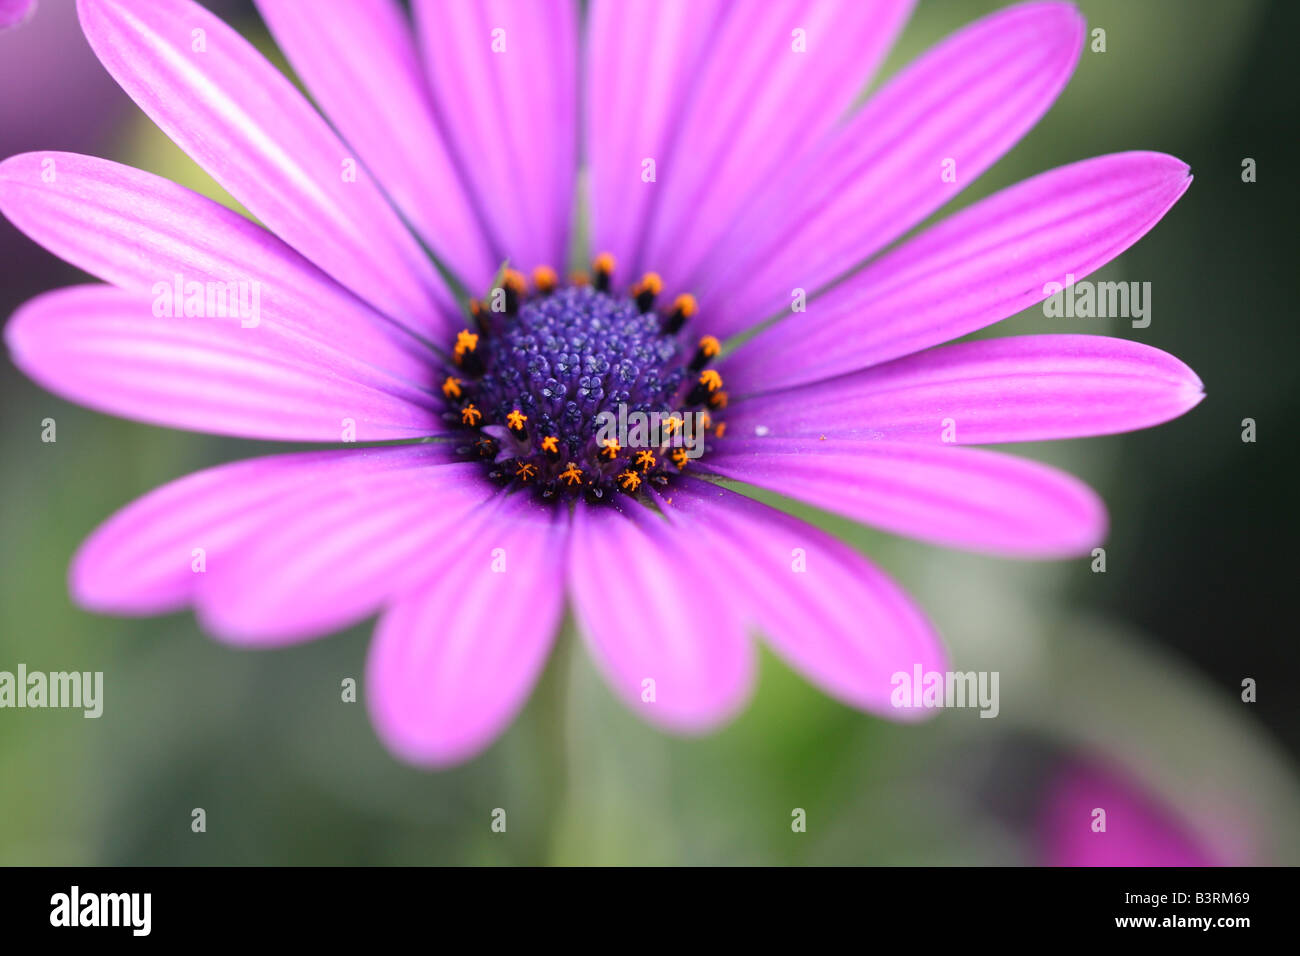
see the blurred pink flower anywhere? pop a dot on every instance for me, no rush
(14, 12)
(1138, 830)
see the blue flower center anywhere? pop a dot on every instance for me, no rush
(581, 391)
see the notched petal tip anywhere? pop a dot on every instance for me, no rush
(1053, 24)
(94, 582)
(86, 587)
(22, 335)
(18, 173)
(1063, 15)
(1176, 172)
(1185, 388)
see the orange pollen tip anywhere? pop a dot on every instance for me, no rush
(579, 279)
(514, 281)
(572, 474)
(672, 423)
(451, 387)
(646, 459)
(680, 458)
(526, 470)
(550, 443)
(710, 346)
(470, 415)
(466, 341)
(685, 304)
(718, 399)
(612, 448)
(721, 430)
(516, 419)
(650, 282)
(545, 278)
(604, 263)
(711, 380)
(630, 480)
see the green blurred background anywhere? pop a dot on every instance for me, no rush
(1138, 669)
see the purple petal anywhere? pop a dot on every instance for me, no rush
(220, 100)
(1139, 832)
(957, 497)
(680, 661)
(453, 661)
(1029, 388)
(361, 66)
(510, 116)
(643, 58)
(756, 107)
(969, 99)
(837, 619)
(135, 230)
(141, 560)
(983, 264)
(106, 349)
(344, 548)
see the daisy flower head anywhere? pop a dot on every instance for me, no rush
(513, 440)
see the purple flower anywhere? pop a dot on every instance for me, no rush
(731, 190)
(1094, 816)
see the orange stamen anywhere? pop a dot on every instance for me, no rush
(710, 379)
(545, 279)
